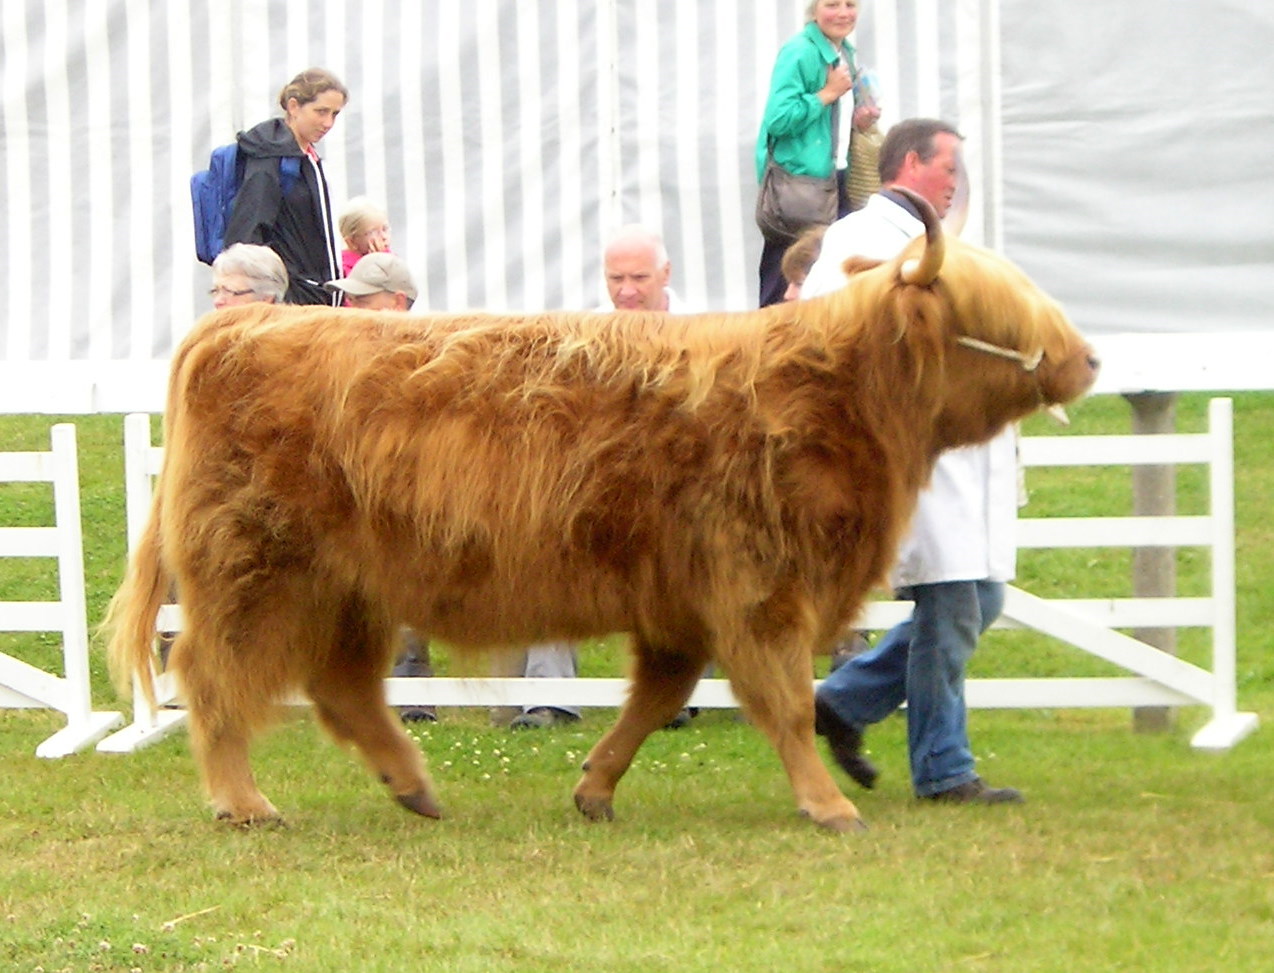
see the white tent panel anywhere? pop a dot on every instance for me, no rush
(1137, 140)
(507, 138)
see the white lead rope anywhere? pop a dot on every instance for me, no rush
(1029, 362)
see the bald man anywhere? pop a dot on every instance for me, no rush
(637, 271)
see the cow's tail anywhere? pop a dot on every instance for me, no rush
(130, 619)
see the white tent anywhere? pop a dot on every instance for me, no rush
(1116, 151)
(1137, 139)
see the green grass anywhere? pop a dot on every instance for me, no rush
(1133, 853)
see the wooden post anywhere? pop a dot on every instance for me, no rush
(1154, 569)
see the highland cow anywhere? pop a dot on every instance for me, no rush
(726, 488)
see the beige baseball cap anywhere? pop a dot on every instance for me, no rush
(376, 272)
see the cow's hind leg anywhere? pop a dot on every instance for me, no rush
(349, 698)
(222, 752)
(662, 681)
(774, 684)
(225, 703)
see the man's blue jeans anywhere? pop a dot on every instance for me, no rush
(922, 661)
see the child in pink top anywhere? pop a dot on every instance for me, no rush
(364, 227)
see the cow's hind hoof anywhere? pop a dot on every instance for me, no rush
(272, 820)
(595, 808)
(421, 802)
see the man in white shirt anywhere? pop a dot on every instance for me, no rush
(380, 281)
(960, 552)
(637, 271)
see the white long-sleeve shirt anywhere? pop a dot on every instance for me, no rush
(963, 528)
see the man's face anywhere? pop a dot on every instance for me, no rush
(378, 301)
(936, 179)
(634, 279)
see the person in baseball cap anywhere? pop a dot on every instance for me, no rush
(381, 281)
(378, 282)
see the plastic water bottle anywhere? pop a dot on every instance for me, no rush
(866, 88)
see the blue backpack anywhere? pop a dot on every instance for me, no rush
(212, 193)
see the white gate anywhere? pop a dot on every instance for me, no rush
(142, 463)
(1160, 678)
(1156, 678)
(22, 685)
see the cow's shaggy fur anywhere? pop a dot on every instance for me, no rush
(725, 487)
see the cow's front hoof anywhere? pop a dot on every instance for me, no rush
(421, 802)
(844, 825)
(595, 808)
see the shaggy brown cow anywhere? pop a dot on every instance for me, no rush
(725, 487)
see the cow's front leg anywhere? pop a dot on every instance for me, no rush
(774, 685)
(662, 681)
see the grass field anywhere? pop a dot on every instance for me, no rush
(1134, 852)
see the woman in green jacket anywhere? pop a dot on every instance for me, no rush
(812, 72)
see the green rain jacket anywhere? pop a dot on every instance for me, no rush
(799, 125)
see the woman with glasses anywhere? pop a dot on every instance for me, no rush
(244, 273)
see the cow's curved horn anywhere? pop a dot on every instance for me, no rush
(924, 270)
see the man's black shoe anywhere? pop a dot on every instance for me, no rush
(846, 744)
(976, 791)
(418, 714)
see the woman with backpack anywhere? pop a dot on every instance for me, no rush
(283, 200)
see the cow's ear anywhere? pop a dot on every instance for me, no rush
(855, 265)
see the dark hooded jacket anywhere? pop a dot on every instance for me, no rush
(298, 227)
